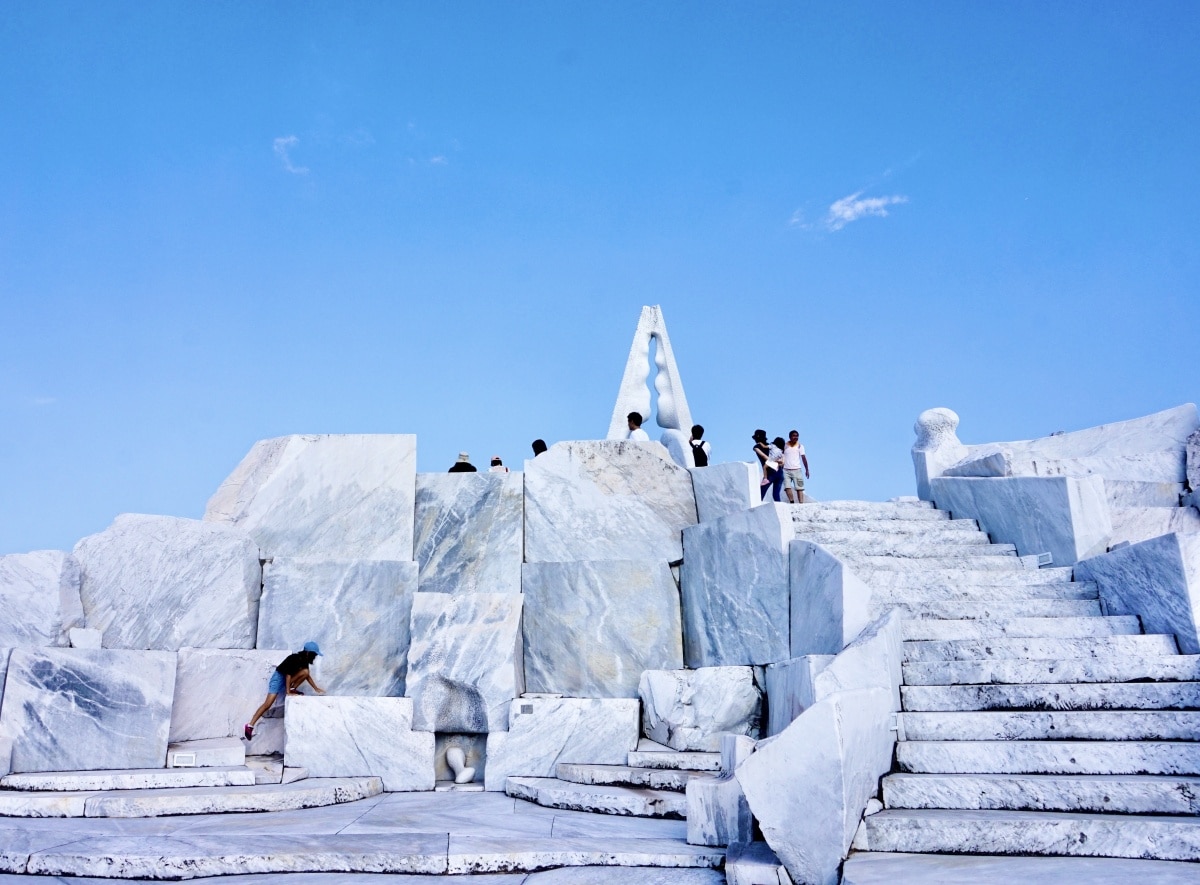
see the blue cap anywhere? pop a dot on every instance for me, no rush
(313, 647)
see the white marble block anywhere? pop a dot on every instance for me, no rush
(4, 655)
(591, 628)
(829, 604)
(543, 731)
(464, 662)
(470, 532)
(691, 709)
(791, 689)
(85, 637)
(734, 580)
(39, 598)
(81, 710)
(357, 611)
(717, 811)
(722, 489)
(352, 737)
(159, 582)
(332, 496)
(606, 499)
(1192, 461)
(218, 690)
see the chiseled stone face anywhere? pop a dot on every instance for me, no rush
(464, 662)
(216, 692)
(83, 710)
(470, 532)
(39, 598)
(690, 709)
(333, 496)
(159, 582)
(591, 628)
(357, 611)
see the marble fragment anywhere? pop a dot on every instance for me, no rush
(591, 628)
(830, 605)
(158, 582)
(722, 489)
(717, 812)
(85, 637)
(80, 710)
(754, 863)
(470, 532)
(216, 692)
(39, 598)
(691, 709)
(791, 689)
(331, 496)
(1192, 461)
(464, 661)
(357, 611)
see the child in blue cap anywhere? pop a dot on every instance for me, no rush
(291, 673)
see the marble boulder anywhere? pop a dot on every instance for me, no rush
(1192, 462)
(159, 582)
(357, 610)
(39, 598)
(82, 710)
(464, 661)
(591, 628)
(830, 605)
(691, 709)
(331, 496)
(722, 489)
(791, 689)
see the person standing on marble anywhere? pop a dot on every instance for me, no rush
(497, 465)
(700, 447)
(291, 673)
(771, 475)
(635, 428)
(539, 446)
(463, 464)
(795, 468)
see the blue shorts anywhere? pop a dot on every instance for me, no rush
(278, 683)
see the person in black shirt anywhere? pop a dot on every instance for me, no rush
(291, 673)
(463, 464)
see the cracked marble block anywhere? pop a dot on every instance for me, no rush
(332, 496)
(217, 691)
(39, 598)
(606, 499)
(357, 611)
(691, 709)
(543, 731)
(352, 737)
(470, 530)
(591, 628)
(160, 582)
(83, 710)
(464, 661)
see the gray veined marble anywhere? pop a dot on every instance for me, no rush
(464, 662)
(470, 532)
(158, 582)
(81, 710)
(691, 709)
(217, 690)
(722, 489)
(358, 611)
(39, 598)
(591, 628)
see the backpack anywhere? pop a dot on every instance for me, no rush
(699, 455)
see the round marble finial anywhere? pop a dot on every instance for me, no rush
(936, 428)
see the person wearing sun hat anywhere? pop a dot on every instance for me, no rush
(462, 465)
(291, 673)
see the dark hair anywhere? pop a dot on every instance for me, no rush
(539, 446)
(777, 441)
(697, 431)
(635, 418)
(790, 432)
(760, 436)
(497, 460)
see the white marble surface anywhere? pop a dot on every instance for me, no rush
(544, 731)
(465, 661)
(1134, 524)
(754, 863)
(470, 532)
(1192, 461)
(79, 710)
(634, 393)
(888, 868)
(717, 812)
(355, 736)
(830, 605)
(357, 611)
(606, 500)
(691, 709)
(591, 628)
(937, 447)
(334, 496)
(873, 660)
(216, 692)
(159, 582)
(85, 637)
(39, 598)
(791, 689)
(722, 489)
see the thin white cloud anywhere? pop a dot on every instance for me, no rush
(439, 160)
(797, 220)
(854, 207)
(43, 400)
(283, 147)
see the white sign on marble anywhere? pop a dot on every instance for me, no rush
(634, 394)
(464, 662)
(722, 489)
(333, 496)
(39, 598)
(357, 611)
(591, 628)
(691, 709)
(160, 582)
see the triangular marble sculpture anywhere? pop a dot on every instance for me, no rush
(634, 395)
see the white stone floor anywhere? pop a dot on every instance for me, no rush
(965, 869)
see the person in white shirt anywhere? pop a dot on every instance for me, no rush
(795, 468)
(635, 428)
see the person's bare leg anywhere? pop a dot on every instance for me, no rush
(788, 490)
(262, 711)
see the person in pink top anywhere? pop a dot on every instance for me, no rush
(795, 468)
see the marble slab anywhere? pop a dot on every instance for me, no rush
(464, 661)
(4, 655)
(717, 812)
(1192, 461)
(82, 710)
(39, 598)
(830, 605)
(358, 611)
(218, 690)
(355, 736)
(85, 637)
(722, 489)
(159, 582)
(691, 709)
(890, 868)
(332, 496)
(591, 628)
(606, 499)
(470, 532)
(791, 689)
(1134, 524)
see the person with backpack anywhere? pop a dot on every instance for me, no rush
(700, 447)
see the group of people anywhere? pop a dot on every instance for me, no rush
(784, 465)
(698, 444)
(464, 465)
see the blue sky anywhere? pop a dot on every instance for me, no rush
(221, 222)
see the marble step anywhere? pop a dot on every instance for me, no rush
(862, 564)
(626, 776)
(207, 753)
(973, 609)
(919, 549)
(1049, 757)
(900, 528)
(1022, 725)
(1140, 645)
(1032, 832)
(128, 779)
(1106, 667)
(897, 868)
(551, 792)
(885, 509)
(972, 582)
(1097, 793)
(860, 540)
(1081, 696)
(651, 755)
(935, 591)
(974, 628)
